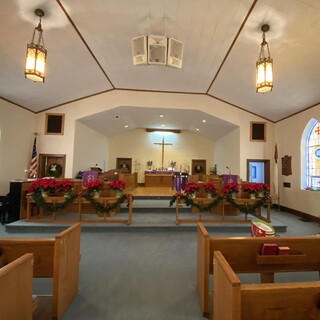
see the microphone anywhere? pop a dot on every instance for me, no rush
(229, 171)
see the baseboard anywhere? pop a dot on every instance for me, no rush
(300, 214)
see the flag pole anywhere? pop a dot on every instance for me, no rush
(33, 170)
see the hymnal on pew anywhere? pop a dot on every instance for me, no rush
(269, 249)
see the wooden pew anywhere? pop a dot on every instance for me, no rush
(57, 258)
(16, 300)
(243, 255)
(286, 301)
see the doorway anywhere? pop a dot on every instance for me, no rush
(258, 171)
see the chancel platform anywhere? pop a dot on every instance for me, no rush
(150, 212)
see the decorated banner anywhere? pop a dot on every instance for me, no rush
(89, 176)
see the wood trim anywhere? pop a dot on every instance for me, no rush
(301, 214)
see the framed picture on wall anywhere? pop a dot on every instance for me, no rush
(54, 123)
(258, 131)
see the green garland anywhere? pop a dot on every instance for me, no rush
(189, 202)
(247, 209)
(40, 202)
(242, 208)
(100, 207)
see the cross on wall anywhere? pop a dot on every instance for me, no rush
(163, 144)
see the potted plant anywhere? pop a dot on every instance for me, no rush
(118, 186)
(210, 188)
(231, 189)
(94, 186)
(43, 186)
(64, 186)
(149, 164)
(252, 188)
(191, 189)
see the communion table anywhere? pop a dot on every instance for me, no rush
(158, 178)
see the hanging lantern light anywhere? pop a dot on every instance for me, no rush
(36, 53)
(264, 66)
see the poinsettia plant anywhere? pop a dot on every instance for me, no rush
(43, 185)
(209, 187)
(191, 187)
(93, 185)
(252, 188)
(64, 186)
(231, 187)
(117, 185)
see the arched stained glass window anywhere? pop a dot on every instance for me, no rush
(312, 154)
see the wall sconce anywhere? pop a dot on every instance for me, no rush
(264, 66)
(36, 53)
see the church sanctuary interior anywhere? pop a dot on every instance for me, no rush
(149, 122)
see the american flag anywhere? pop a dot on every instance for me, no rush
(34, 162)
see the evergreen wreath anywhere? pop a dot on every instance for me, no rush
(40, 202)
(100, 207)
(55, 170)
(198, 168)
(242, 208)
(189, 202)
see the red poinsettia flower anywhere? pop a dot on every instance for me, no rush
(94, 185)
(191, 187)
(117, 185)
(209, 187)
(231, 188)
(252, 187)
(64, 186)
(45, 184)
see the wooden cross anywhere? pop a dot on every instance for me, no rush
(162, 144)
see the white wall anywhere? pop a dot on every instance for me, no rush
(16, 141)
(90, 148)
(106, 101)
(288, 133)
(227, 153)
(139, 145)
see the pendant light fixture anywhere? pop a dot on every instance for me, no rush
(264, 66)
(36, 53)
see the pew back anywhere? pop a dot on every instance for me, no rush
(56, 258)
(42, 249)
(16, 289)
(285, 301)
(243, 255)
(66, 269)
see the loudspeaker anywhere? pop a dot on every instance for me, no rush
(157, 50)
(175, 53)
(139, 50)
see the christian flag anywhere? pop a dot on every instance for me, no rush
(34, 160)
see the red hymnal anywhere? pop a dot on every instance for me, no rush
(269, 249)
(283, 251)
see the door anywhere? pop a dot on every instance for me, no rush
(47, 162)
(258, 171)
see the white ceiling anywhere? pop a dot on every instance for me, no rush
(89, 52)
